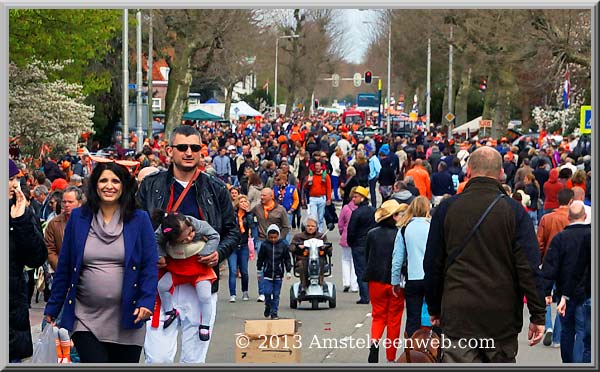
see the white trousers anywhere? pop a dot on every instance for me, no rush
(348, 274)
(160, 345)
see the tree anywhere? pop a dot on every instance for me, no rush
(235, 60)
(258, 99)
(188, 39)
(43, 111)
(79, 36)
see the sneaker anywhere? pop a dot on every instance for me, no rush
(231, 298)
(245, 296)
(173, 314)
(361, 302)
(267, 311)
(274, 317)
(261, 298)
(204, 333)
(547, 340)
(556, 345)
(346, 289)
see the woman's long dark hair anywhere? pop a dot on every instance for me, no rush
(127, 201)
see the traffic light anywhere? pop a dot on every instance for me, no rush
(368, 77)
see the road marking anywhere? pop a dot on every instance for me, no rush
(358, 325)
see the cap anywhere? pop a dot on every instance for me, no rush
(231, 147)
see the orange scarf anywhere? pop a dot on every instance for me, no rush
(241, 213)
(268, 207)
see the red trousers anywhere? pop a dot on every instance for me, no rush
(387, 312)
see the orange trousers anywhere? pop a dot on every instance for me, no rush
(386, 312)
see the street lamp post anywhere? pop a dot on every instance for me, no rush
(276, 58)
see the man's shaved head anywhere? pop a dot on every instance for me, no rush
(485, 162)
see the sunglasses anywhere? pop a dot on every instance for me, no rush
(184, 147)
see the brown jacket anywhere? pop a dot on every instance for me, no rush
(550, 225)
(53, 237)
(277, 216)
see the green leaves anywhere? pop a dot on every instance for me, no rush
(78, 36)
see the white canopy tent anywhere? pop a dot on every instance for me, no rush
(237, 109)
(471, 126)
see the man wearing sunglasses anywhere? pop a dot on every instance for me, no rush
(207, 199)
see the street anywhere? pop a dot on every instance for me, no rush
(347, 321)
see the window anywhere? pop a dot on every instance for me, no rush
(156, 104)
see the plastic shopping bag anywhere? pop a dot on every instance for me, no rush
(44, 350)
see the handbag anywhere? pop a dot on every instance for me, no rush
(251, 250)
(420, 348)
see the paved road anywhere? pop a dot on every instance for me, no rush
(347, 320)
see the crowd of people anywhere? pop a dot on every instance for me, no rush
(429, 224)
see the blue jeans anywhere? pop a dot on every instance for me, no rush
(335, 185)
(556, 328)
(238, 259)
(290, 216)
(360, 265)
(572, 333)
(272, 288)
(317, 209)
(372, 190)
(534, 218)
(587, 335)
(259, 274)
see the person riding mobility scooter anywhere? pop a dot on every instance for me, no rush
(312, 263)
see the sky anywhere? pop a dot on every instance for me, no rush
(357, 35)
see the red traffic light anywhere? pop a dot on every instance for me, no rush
(368, 77)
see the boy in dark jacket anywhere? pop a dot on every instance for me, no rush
(273, 260)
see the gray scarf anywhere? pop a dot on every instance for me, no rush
(107, 232)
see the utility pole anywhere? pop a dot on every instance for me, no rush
(450, 84)
(428, 95)
(125, 46)
(380, 111)
(389, 73)
(149, 74)
(140, 132)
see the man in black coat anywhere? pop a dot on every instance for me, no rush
(560, 266)
(26, 248)
(510, 169)
(361, 221)
(441, 183)
(480, 293)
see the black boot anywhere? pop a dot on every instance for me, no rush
(173, 314)
(374, 354)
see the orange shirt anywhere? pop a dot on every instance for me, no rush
(422, 180)
(320, 188)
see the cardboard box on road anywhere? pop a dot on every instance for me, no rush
(268, 341)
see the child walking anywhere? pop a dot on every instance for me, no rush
(180, 240)
(274, 259)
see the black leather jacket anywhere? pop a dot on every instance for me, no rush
(213, 199)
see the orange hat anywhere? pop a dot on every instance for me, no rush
(59, 184)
